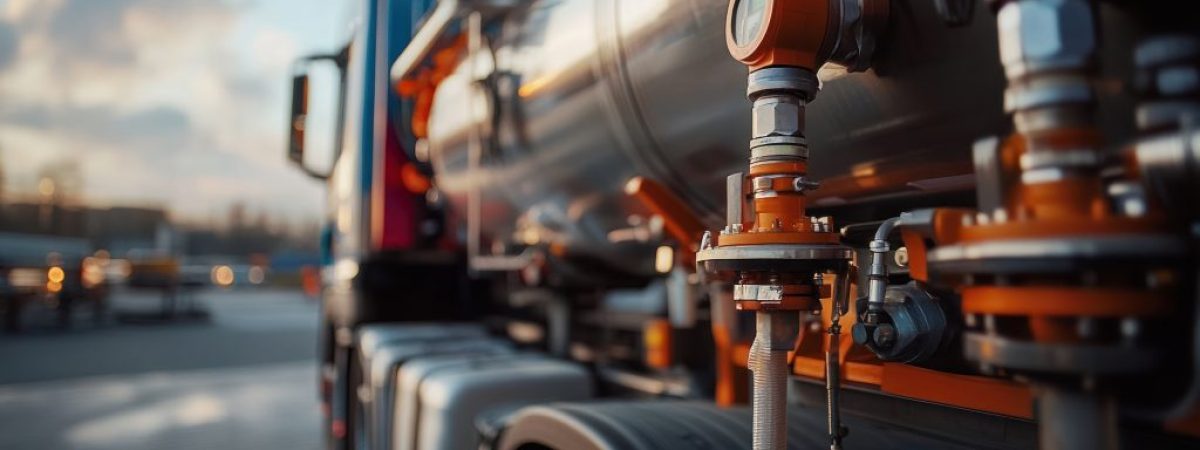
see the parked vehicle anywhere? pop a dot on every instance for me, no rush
(52, 271)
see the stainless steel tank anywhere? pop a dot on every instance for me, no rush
(588, 93)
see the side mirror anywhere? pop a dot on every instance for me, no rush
(314, 126)
(298, 118)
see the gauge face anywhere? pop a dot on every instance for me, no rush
(748, 18)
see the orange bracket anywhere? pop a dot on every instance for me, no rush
(681, 223)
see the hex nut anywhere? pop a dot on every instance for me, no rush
(777, 116)
(1039, 35)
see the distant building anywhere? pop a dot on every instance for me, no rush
(117, 229)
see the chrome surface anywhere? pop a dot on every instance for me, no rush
(735, 199)
(435, 25)
(424, 39)
(1171, 163)
(783, 252)
(758, 292)
(778, 116)
(1011, 354)
(1045, 36)
(764, 148)
(878, 274)
(1168, 114)
(588, 93)
(788, 79)
(775, 335)
(1148, 246)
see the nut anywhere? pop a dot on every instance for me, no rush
(1041, 35)
(885, 335)
(777, 116)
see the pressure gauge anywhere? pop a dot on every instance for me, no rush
(762, 33)
(748, 19)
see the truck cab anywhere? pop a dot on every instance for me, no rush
(386, 254)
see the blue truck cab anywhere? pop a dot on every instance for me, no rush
(384, 254)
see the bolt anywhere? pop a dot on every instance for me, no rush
(802, 184)
(762, 184)
(885, 335)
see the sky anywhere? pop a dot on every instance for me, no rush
(180, 104)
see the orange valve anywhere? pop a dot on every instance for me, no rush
(1059, 278)
(778, 256)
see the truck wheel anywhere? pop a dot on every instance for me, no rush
(652, 425)
(643, 425)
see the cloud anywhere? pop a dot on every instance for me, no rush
(101, 123)
(115, 34)
(8, 44)
(180, 102)
(92, 31)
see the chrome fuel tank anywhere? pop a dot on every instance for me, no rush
(588, 93)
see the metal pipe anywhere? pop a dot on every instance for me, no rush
(833, 379)
(1072, 419)
(832, 391)
(775, 333)
(877, 284)
(475, 257)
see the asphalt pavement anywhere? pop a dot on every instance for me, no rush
(242, 375)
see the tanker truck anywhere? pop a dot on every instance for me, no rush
(767, 224)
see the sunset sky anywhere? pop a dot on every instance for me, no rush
(173, 103)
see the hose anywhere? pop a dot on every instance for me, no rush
(877, 284)
(770, 393)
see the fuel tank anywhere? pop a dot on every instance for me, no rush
(574, 97)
